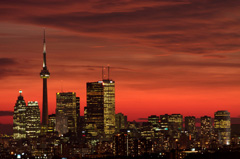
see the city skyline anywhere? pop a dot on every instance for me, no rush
(167, 68)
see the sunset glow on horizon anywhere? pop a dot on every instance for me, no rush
(165, 56)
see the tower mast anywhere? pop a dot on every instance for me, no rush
(44, 74)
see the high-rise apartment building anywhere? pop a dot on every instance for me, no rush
(206, 131)
(190, 125)
(120, 122)
(67, 112)
(33, 127)
(100, 111)
(44, 74)
(206, 126)
(222, 127)
(19, 118)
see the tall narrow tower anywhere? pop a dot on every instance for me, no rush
(44, 74)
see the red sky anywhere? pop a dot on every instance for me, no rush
(169, 56)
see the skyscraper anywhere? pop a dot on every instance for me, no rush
(44, 74)
(206, 130)
(164, 124)
(206, 125)
(67, 112)
(100, 111)
(175, 125)
(33, 120)
(154, 119)
(19, 118)
(109, 107)
(95, 109)
(120, 122)
(222, 127)
(190, 122)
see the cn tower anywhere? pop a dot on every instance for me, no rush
(44, 74)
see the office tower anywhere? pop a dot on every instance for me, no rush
(19, 118)
(190, 122)
(67, 112)
(153, 119)
(120, 122)
(206, 131)
(175, 122)
(101, 108)
(33, 127)
(44, 74)
(147, 131)
(164, 121)
(52, 123)
(95, 109)
(222, 127)
(109, 107)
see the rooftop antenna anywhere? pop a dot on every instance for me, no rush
(102, 73)
(61, 86)
(108, 72)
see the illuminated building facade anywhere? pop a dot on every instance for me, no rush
(147, 131)
(44, 74)
(95, 109)
(67, 112)
(206, 131)
(153, 119)
(222, 127)
(164, 121)
(52, 123)
(190, 126)
(175, 125)
(109, 107)
(121, 144)
(120, 122)
(33, 127)
(19, 118)
(101, 108)
(206, 125)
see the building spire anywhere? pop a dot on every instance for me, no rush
(44, 49)
(44, 74)
(44, 41)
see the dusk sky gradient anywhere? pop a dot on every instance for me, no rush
(166, 56)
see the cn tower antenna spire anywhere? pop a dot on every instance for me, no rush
(44, 35)
(44, 74)
(44, 49)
